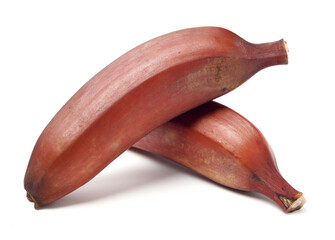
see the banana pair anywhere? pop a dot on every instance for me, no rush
(127, 102)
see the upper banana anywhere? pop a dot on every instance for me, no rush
(142, 89)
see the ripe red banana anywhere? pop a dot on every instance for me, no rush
(223, 146)
(136, 93)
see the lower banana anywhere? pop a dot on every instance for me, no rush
(220, 144)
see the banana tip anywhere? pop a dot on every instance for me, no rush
(286, 49)
(285, 46)
(31, 199)
(297, 204)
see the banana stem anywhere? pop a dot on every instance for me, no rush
(281, 192)
(296, 204)
(269, 54)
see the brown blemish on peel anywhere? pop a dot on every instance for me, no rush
(218, 73)
(215, 74)
(254, 176)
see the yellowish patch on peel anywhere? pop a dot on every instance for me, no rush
(170, 139)
(192, 80)
(218, 73)
(87, 170)
(115, 144)
(219, 168)
(224, 72)
(59, 146)
(208, 156)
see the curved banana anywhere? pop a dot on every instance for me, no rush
(223, 146)
(136, 93)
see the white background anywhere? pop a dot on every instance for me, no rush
(49, 49)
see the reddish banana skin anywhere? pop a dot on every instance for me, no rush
(136, 93)
(223, 146)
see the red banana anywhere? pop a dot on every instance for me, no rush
(136, 93)
(223, 146)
